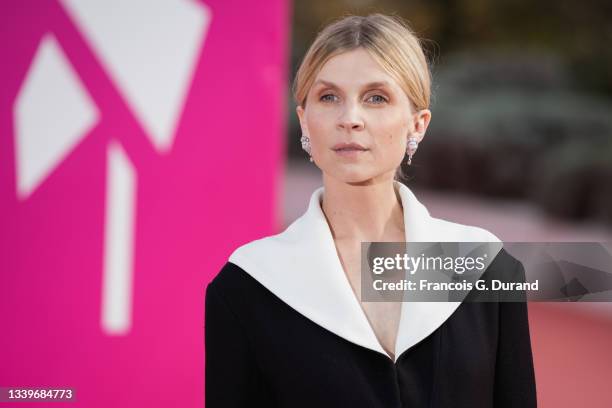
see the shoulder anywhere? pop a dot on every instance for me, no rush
(241, 293)
(262, 247)
(232, 278)
(274, 252)
(232, 285)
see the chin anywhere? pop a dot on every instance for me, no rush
(353, 174)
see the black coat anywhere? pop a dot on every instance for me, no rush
(268, 345)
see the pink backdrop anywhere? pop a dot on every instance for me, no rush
(186, 193)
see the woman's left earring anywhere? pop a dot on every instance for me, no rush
(413, 145)
(306, 145)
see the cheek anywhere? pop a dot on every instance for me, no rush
(392, 142)
(393, 126)
(394, 147)
(393, 137)
(319, 124)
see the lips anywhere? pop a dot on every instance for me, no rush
(348, 147)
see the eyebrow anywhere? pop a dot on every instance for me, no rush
(377, 84)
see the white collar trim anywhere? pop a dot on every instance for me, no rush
(301, 267)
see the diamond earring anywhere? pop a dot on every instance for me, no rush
(413, 145)
(306, 145)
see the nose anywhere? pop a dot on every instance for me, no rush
(350, 118)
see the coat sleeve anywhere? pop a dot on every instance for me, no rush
(515, 384)
(232, 378)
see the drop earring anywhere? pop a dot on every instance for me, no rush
(306, 145)
(413, 145)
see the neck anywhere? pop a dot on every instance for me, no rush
(365, 212)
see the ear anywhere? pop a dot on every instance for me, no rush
(421, 121)
(300, 112)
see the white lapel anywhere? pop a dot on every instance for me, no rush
(301, 267)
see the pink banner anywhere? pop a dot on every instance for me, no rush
(140, 143)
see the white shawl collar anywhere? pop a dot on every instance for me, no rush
(301, 267)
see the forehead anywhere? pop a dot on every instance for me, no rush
(354, 68)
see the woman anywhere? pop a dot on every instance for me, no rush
(285, 325)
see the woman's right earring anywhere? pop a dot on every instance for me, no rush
(413, 145)
(306, 145)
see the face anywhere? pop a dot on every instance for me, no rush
(359, 119)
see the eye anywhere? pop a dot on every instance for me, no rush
(381, 99)
(325, 99)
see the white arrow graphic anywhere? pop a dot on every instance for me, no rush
(149, 50)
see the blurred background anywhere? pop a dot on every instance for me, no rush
(142, 141)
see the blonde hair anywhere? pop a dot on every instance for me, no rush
(388, 39)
